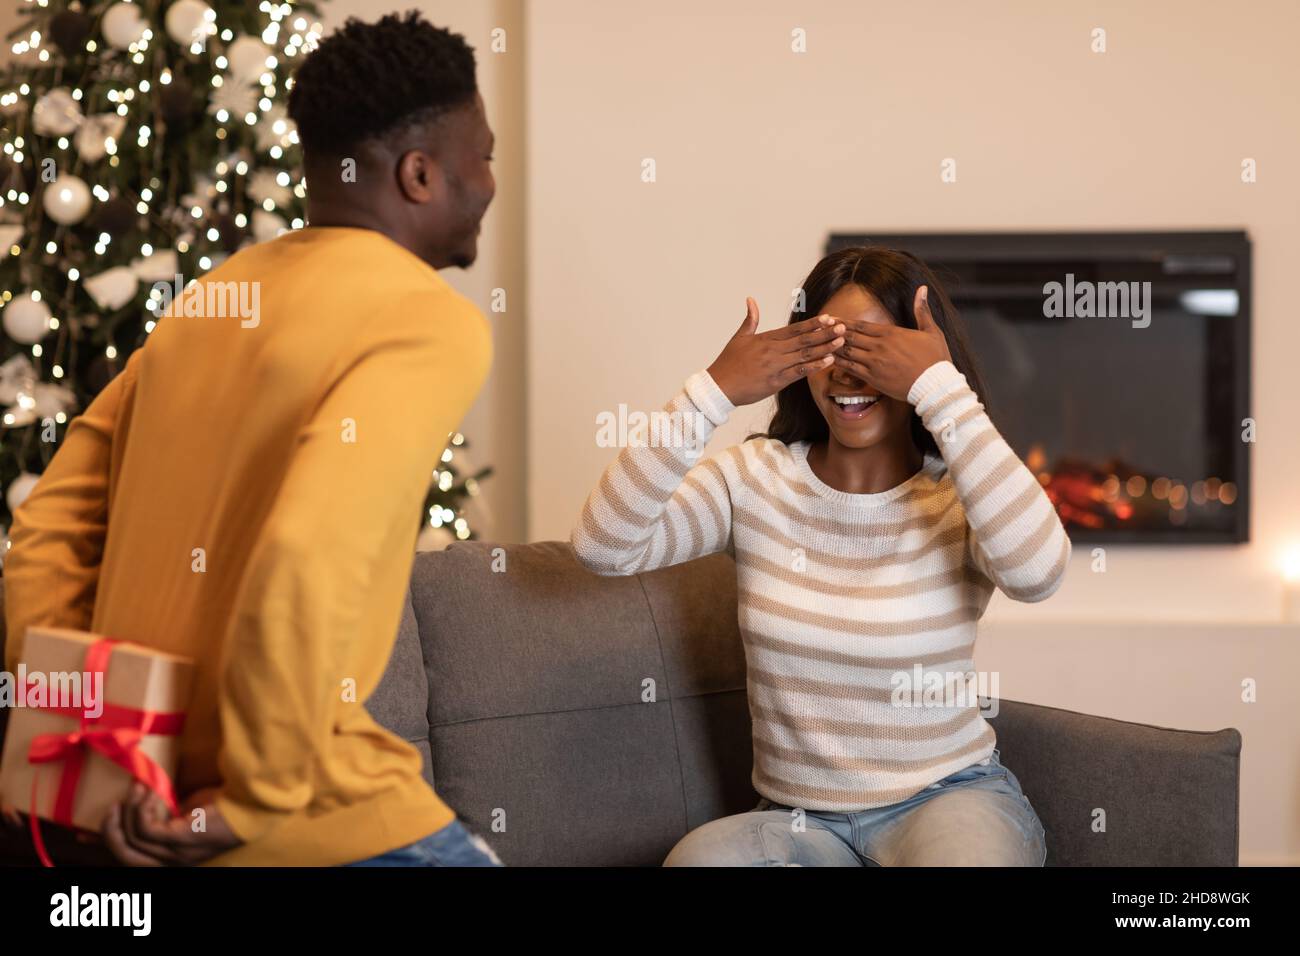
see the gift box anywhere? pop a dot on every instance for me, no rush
(91, 717)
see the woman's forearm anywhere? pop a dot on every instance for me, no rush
(1018, 541)
(656, 504)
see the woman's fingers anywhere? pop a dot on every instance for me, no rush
(856, 353)
(811, 346)
(921, 309)
(856, 366)
(802, 370)
(796, 329)
(868, 331)
(801, 345)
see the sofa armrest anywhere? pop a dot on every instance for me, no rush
(1114, 793)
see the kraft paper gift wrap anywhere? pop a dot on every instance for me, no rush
(141, 698)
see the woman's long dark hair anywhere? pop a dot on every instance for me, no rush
(893, 277)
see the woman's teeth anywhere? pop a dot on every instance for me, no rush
(855, 405)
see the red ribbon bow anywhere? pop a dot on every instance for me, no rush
(115, 734)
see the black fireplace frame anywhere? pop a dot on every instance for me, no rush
(1100, 246)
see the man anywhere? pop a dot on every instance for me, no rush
(247, 493)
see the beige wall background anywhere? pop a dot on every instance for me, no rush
(761, 152)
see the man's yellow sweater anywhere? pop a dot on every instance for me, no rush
(247, 493)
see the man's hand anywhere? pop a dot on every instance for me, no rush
(11, 815)
(755, 365)
(891, 358)
(142, 832)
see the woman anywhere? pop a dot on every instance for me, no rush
(869, 527)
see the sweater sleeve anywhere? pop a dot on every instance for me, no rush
(655, 506)
(52, 569)
(353, 492)
(1016, 538)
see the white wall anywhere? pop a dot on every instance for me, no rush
(762, 152)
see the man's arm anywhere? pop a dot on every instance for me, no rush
(52, 569)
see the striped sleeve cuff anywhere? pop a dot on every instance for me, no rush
(708, 398)
(936, 380)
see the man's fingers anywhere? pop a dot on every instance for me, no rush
(115, 836)
(11, 815)
(138, 814)
(163, 830)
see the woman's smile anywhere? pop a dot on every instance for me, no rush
(854, 408)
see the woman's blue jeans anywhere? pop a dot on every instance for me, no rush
(975, 817)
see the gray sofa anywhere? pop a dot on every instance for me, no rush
(600, 719)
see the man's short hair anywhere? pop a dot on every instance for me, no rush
(371, 81)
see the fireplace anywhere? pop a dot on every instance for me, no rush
(1117, 366)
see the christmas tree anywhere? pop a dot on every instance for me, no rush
(142, 141)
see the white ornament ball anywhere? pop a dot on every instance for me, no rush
(247, 58)
(26, 319)
(67, 199)
(122, 25)
(186, 21)
(19, 489)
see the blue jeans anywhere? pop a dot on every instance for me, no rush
(975, 817)
(453, 845)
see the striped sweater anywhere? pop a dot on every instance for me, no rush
(844, 599)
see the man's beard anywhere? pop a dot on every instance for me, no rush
(467, 250)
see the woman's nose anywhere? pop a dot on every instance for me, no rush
(842, 376)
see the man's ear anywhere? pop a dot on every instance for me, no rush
(419, 177)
